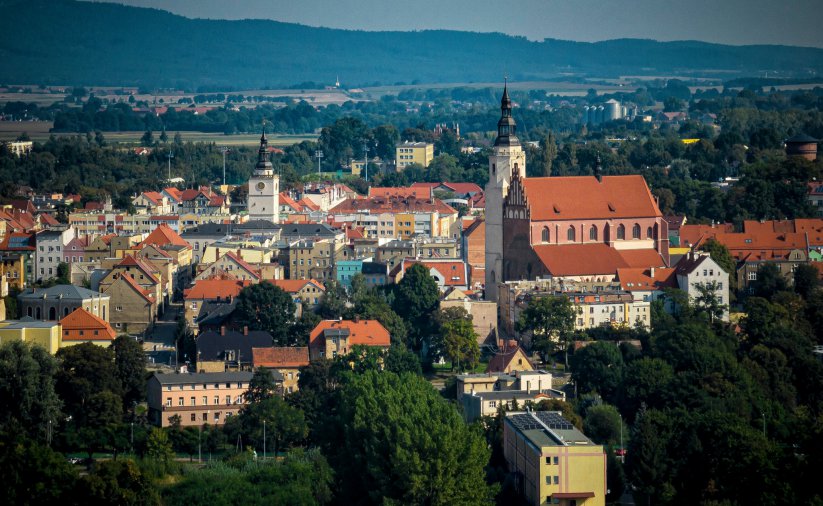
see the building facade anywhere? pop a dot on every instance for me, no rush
(264, 188)
(197, 399)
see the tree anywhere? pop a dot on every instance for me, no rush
(86, 370)
(769, 281)
(63, 274)
(119, 482)
(551, 322)
(130, 362)
(272, 417)
(147, 139)
(708, 301)
(416, 299)
(333, 301)
(399, 360)
(267, 307)
(403, 443)
(27, 389)
(457, 339)
(548, 146)
(720, 254)
(261, 386)
(158, 446)
(34, 473)
(603, 424)
(598, 368)
(648, 463)
(806, 280)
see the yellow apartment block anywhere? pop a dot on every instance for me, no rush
(43, 334)
(408, 153)
(552, 461)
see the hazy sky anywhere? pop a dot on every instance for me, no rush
(794, 22)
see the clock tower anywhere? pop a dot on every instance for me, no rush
(264, 188)
(507, 159)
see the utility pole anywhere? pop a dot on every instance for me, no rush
(199, 434)
(366, 158)
(264, 440)
(170, 155)
(318, 154)
(132, 437)
(622, 451)
(224, 150)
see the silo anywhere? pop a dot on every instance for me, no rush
(612, 110)
(600, 115)
(586, 115)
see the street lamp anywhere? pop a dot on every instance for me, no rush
(318, 154)
(264, 440)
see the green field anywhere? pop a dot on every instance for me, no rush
(39, 131)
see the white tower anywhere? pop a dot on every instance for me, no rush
(508, 158)
(264, 188)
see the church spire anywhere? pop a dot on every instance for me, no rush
(506, 126)
(263, 162)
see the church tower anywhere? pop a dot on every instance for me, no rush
(507, 159)
(264, 188)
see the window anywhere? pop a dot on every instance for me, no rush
(193, 417)
(649, 233)
(180, 401)
(492, 404)
(545, 234)
(556, 479)
(216, 400)
(752, 276)
(205, 417)
(193, 401)
(228, 400)
(570, 233)
(593, 233)
(216, 416)
(556, 460)
(168, 402)
(621, 232)
(636, 231)
(205, 400)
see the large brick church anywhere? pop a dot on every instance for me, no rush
(581, 228)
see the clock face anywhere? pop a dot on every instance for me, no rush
(261, 185)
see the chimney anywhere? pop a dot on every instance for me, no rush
(356, 319)
(222, 330)
(245, 330)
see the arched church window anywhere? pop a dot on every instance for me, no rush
(649, 233)
(544, 236)
(593, 233)
(621, 232)
(570, 233)
(636, 231)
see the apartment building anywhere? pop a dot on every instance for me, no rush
(421, 153)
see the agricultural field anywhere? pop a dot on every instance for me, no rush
(38, 131)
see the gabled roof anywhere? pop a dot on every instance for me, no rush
(163, 235)
(280, 357)
(174, 193)
(459, 188)
(500, 362)
(365, 332)
(243, 264)
(215, 288)
(80, 319)
(212, 345)
(286, 200)
(132, 261)
(642, 280)
(132, 284)
(47, 219)
(418, 191)
(584, 197)
(155, 197)
(295, 285)
(453, 272)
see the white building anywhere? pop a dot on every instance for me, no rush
(696, 269)
(50, 244)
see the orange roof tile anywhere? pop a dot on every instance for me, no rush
(584, 197)
(163, 235)
(80, 319)
(365, 332)
(593, 259)
(212, 289)
(640, 279)
(453, 272)
(500, 362)
(280, 357)
(418, 192)
(132, 261)
(295, 285)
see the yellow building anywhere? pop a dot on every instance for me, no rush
(13, 268)
(43, 334)
(252, 252)
(404, 225)
(408, 153)
(552, 461)
(311, 259)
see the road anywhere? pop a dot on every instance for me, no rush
(159, 344)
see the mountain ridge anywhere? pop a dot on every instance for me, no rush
(93, 43)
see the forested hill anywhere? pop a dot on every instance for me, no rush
(84, 43)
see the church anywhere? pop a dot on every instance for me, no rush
(263, 202)
(582, 228)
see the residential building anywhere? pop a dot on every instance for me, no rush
(134, 307)
(446, 273)
(50, 245)
(510, 360)
(285, 360)
(152, 203)
(487, 404)
(331, 338)
(150, 279)
(552, 461)
(484, 394)
(197, 399)
(210, 290)
(473, 248)
(483, 313)
(13, 269)
(20, 148)
(80, 326)
(229, 350)
(230, 265)
(699, 270)
(306, 293)
(375, 274)
(315, 258)
(56, 302)
(23, 244)
(421, 153)
(264, 188)
(202, 236)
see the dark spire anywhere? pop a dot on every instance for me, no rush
(263, 162)
(598, 169)
(506, 126)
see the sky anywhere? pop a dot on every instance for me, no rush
(791, 22)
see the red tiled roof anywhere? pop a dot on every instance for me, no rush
(175, 193)
(280, 357)
(80, 319)
(584, 197)
(47, 219)
(460, 188)
(418, 192)
(365, 332)
(154, 197)
(163, 235)
(640, 279)
(211, 289)
(308, 204)
(593, 259)
(453, 272)
(285, 199)
(392, 204)
(131, 261)
(295, 285)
